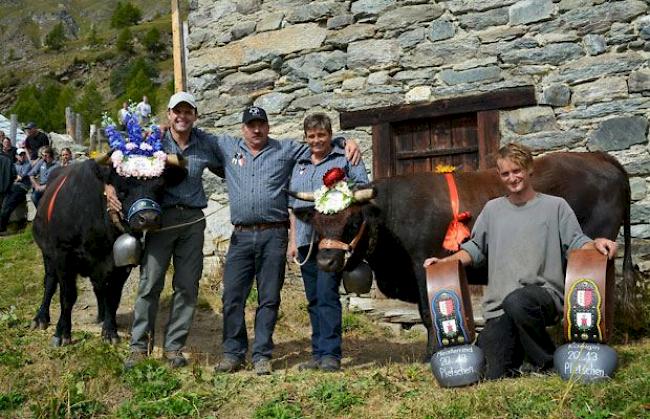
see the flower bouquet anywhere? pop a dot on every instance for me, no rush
(335, 194)
(139, 154)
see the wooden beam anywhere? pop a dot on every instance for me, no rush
(422, 154)
(178, 49)
(498, 99)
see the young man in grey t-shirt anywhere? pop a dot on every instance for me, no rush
(523, 237)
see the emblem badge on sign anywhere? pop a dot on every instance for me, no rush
(446, 318)
(584, 312)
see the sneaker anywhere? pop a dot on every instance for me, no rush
(312, 364)
(262, 366)
(176, 359)
(330, 364)
(229, 364)
(134, 358)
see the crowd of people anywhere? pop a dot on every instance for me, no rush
(26, 166)
(522, 298)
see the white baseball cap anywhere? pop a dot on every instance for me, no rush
(180, 97)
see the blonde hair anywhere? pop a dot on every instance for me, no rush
(519, 154)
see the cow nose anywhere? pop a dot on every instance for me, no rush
(146, 220)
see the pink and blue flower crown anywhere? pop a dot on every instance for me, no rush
(140, 153)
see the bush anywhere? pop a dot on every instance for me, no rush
(90, 106)
(120, 76)
(93, 39)
(55, 40)
(125, 41)
(151, 41)
(125, 14)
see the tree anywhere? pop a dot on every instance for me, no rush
(125, 15)
(151, 41)
(55, 39)
(93, 39)
(121, 75)
(44, 104)
(125, 41)
(90, 105)
(141, 85)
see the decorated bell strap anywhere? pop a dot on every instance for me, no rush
(588, 297)
(450, 304)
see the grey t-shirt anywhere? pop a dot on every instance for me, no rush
(524, 245)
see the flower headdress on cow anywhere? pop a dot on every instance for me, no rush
(335, 195)
(139, 154)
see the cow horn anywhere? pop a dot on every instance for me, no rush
(174, 160)
(363, 195)
(103, 159)
(303, 196)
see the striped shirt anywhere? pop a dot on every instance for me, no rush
(256, 183)
(307, 177)
(202, 152)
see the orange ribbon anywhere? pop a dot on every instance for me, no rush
(50, 206)
(457, 232)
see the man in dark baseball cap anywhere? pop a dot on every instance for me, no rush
(254, 113)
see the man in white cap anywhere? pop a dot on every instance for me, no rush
(258, 206)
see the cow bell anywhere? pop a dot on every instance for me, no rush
(358, 280)
(458, 366)
(585, 362)
(126, 251)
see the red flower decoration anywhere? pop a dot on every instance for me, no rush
(333, 176)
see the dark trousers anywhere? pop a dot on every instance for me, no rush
(519, 332)
(11, 201)
(36, 197)
(259, 255)
(322, 291)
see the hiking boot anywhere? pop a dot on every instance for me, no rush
(134, 358)
(175, 359)
(229, 364)
(330, 364)
(262, 366)
(312, 364)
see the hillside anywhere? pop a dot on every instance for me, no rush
(26, 61)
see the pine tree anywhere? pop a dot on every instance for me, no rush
(151, 41)
(125, 41)
(55, 39)
(125, 14)
(93, 39)
(90, 105)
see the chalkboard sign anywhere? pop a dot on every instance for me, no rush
(458, 365)
(586, 362)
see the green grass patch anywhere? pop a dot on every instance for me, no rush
(281, 407)
(11, 400)
(334, 397)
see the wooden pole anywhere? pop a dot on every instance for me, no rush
(13, 129)
(69, 122)
(178, 48)
(93, 136)
(79, 137)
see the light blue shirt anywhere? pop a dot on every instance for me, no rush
(307, 177)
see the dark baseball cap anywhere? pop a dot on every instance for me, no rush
(252, 113)
(31, 125)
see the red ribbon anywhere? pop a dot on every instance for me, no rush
(50, 206)
(457, 232)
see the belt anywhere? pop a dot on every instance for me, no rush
(181, 207)
(261, 226)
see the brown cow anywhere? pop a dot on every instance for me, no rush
(407, 220)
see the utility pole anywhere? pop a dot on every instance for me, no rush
(180, 80)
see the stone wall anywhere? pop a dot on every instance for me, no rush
(588, 61)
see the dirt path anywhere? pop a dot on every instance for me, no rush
(370, 345)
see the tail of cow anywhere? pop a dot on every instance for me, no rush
(630, 275)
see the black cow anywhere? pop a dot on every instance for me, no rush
(407, 221)
(76, 235)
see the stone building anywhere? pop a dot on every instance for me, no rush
(554, 75)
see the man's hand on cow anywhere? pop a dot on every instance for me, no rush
(352, 151)
(112, 202)
(606, 247)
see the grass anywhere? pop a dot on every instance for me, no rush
(381, 377)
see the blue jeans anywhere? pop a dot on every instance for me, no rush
(260, 255)
(322, 291)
